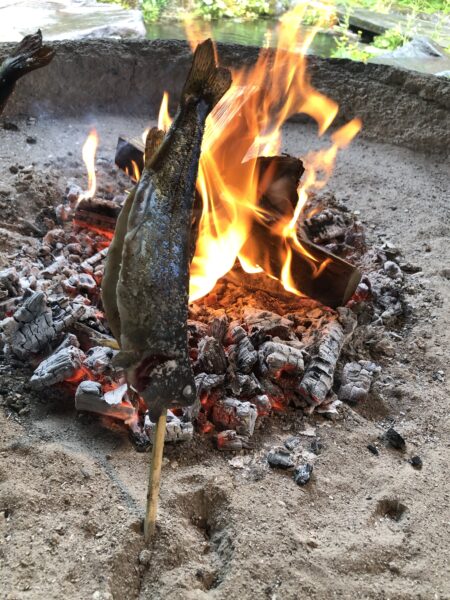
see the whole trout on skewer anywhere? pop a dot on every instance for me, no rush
(151, 295)
(27, 56)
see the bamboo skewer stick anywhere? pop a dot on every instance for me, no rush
(154, 479)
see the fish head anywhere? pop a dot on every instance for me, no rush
(162, 382)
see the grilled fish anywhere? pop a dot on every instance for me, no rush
(27, 56)
(153, 242)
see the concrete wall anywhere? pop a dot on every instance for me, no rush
(128, 77)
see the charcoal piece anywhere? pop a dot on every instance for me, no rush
(205, 382)
(89, 264)
(394, 439)
(58, 367)
(176, 429)
(35, 324)
(272, 390)
(244, 385)
(280, 459)
(82, 282)
(98, 359)
(139, 439)
(243, 355)
(9, 283)
(356, 381)
(89, 398)
(319, 374)
(373, 449)
(211, 356)
(316, 447)
(218, 327)
(276, 358)
(416, 462)
(196, 331)
(230, 440)
(263, 405)
(302, 474)
(292, 442)
(268, 324)
(236, 333)
(234, 414)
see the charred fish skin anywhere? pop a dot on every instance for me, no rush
(153, 286)
(27, 56)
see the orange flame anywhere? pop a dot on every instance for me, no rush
(245, 124)
(164, 119)
(88, 153)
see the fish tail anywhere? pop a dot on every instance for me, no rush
(206, 80)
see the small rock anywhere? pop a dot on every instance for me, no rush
(373, 449)
(280, 459)
(13, 169)
(416, 462)
(30, 139)
(292, 442)
(445, 273)
(10, 126)
(316, 447)
(392, 269)
(302, 474)
(145, 557)
(394, 439)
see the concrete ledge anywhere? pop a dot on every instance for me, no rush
(128, 77)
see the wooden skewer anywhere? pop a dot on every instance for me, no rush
(155, 477)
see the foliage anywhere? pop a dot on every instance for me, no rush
(390, 39)
(244, 9)
(152, 9)
(415, 6)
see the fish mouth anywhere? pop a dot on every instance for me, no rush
(164, 382)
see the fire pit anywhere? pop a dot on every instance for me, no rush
(258, 343)
(262, 355)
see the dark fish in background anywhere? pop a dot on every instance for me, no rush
(27, 56)
(154, 248)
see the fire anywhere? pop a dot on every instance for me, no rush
(164, 119)
(247, 123)
(89, 151)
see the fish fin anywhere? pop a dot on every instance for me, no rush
(125, 359)
(206, 79)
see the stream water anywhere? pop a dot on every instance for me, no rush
(249, 33)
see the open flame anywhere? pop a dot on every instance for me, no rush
(164, 119)
(247, 123)
(89, 151)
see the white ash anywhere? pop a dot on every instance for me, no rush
(176, 429)
(234, 414)
(58, 367)
(356, 381)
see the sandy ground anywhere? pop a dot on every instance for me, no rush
(72, 489)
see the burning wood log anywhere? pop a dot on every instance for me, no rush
(319, 374)
(97, 214)
(27, 56)
(176, 429)
(234, 414)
